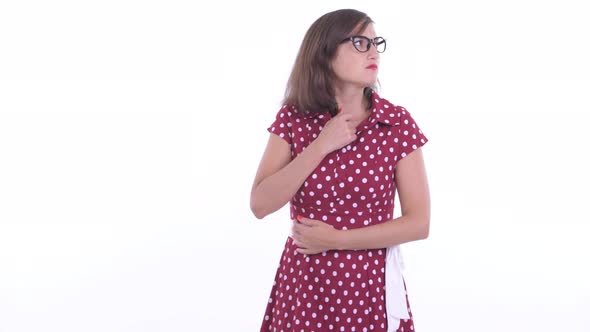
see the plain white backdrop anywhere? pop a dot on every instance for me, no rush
(130, 133)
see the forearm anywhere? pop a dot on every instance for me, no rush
(400, 230)
(276, 190)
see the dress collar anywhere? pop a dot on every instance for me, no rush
(382, 112)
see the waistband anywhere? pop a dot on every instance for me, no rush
(333, 216)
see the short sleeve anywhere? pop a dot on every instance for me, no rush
(410, 137)
(282, 124)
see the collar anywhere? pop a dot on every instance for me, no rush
(382, 112)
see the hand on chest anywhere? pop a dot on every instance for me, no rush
(357, 176)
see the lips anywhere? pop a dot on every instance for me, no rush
(373, 66)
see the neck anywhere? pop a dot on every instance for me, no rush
(351, 100)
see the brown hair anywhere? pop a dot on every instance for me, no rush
(311, 85)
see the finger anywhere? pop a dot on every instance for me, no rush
(296, 234)
(344, 116)
(350, 127)
(306, 222)
(299, 244)
(309, 251)
(297, 225)
(304, 251)
(296, 231)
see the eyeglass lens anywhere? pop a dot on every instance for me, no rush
(362, 44)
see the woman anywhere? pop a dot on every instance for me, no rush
(338, 152)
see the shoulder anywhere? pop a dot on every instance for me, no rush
(291, 113)
(285, 111)
(387, 111)
(387, 106)
(288, 111)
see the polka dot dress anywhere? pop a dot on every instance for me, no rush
(341, 290)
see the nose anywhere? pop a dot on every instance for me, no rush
(372, 52)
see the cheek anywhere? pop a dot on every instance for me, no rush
(345, 68)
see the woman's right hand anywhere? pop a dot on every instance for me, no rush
(337, 133)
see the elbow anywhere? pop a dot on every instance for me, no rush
(424, 234)
(257, 209)
(261, 205)
(425, 229)
(258, 213)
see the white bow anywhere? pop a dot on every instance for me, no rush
(395, 292)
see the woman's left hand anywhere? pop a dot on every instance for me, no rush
(313, 236)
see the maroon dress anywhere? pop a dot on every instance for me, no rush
(353, 187)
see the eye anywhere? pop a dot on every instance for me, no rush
(360, 42)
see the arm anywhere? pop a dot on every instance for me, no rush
(414, 223)
(278, 177)
(313, 236)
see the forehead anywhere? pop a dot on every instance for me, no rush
(369, 31)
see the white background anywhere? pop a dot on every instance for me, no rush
(130, 133)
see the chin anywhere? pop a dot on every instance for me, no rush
(369, 83)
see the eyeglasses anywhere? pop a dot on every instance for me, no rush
(363, 44)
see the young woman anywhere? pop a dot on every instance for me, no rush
(338, 152)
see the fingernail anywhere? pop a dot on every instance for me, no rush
(299, 217)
